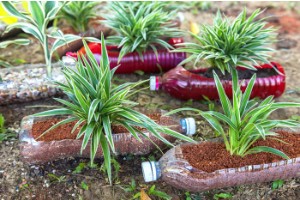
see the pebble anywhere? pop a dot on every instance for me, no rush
(23, 84)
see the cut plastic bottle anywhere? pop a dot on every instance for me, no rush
(33, 151)
(132, 62)
(183, 84)
(176, 171)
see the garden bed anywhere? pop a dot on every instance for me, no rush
(20, 181)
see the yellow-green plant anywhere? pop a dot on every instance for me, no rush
(227, 44)
(36, 22)
(95, 103)
(78, 14)
(4, 133)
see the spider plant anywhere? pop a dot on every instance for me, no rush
(95, 103)
(247, 120)
(36, 22)
(227, 44)
(78, 14)
(140, 26)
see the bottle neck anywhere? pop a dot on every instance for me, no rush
(151, 171)
(188, 126)
(155, 83)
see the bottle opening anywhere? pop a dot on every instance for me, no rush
(149, 169)
(188, 125)
(154, 83)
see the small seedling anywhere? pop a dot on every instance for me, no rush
(79, 168)
(222, 196)
(4, 133)
(153, 192)
(157, 193)
(277, 184)
(131, 187)
(54, 178)
(188, 196)
(84, 185)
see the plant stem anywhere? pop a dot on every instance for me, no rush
(47, 57)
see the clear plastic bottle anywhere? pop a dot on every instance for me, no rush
(33, 151)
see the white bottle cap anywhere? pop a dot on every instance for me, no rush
(153, 83)
(149, 171)
(181, 17)
(190, 126)
(69, 61)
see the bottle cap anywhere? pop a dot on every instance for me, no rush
(153, 83)
(68, 61)
(149, 171)
(180, 16)
(188, 125)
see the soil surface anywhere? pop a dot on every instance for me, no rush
(62, 179)
(65, 131)
(242, 73)
(210, 156)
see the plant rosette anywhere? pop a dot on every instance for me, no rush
(177, 169)
(60, 143)
(145, 34)
(197, 84)
(231, 48)
(131, 62)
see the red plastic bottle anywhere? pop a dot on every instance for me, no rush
(131, 62)
(183, 84)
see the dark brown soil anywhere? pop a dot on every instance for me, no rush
(64, 131)
(210, 156)
(242, 73)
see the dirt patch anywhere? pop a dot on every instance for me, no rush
(286, 21)
(64, 131)
(210, 157)
(21, 181)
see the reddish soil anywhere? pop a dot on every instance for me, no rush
(210, 156)
(286, 22)
(64, 131)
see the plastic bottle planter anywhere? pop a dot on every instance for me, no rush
(94, 30)
(28, 83)
(131, 62)
(176, 171)
(183, 84)
(33, 151)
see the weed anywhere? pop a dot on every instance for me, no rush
(277, 184)
(84, 185)
(222, 196)
(54, 178)
(79, 168)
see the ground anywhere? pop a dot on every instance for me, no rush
(57, 180)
